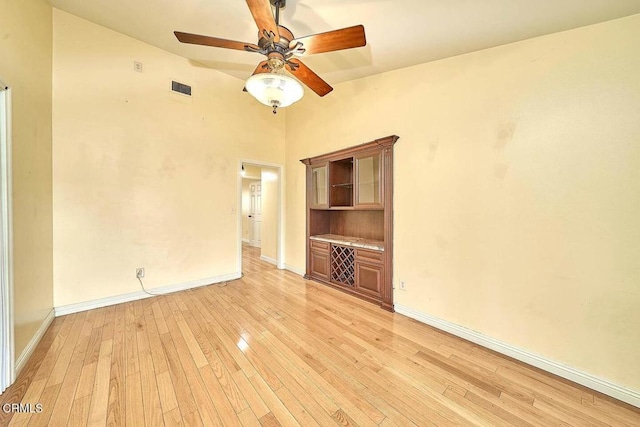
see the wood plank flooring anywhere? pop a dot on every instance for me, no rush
(273, 349)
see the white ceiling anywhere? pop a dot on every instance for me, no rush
(399, 33)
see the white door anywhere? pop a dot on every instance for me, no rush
(6, 305)
(255, 214)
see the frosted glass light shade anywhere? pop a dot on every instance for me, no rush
(274, 90)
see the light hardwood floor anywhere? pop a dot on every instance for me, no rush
(273, 349)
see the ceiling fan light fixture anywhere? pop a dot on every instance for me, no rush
(274, 89)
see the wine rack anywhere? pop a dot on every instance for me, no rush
(342, 265)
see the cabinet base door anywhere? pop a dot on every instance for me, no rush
(319, 264)
(369, 278)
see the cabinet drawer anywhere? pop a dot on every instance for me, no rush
(368, 255)
(323, 246)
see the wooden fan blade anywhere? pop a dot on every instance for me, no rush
(261, 68)
(211, 41)
(261, 11)
(346, 38)
(308, 77)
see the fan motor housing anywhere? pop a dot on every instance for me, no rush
(276, 51)
(285, 38)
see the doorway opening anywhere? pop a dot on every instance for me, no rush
(260, 213)
(252, 206)
(7, 363)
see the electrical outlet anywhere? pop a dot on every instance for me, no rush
(139, 273)
(403, 285)
(137, 66)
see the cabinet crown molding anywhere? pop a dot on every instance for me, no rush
(385, 142)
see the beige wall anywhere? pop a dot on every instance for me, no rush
(270, 188)
(517, 192)
(144, 177)
(25, 65)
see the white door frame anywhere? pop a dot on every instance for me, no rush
(280, 220)
(7, 359)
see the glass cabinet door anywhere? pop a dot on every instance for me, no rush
(368, 180)
(319, 186)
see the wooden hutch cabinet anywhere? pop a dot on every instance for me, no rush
(350, 220)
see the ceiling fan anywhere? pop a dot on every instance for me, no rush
(280, 46)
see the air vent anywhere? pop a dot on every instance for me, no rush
(181, 88)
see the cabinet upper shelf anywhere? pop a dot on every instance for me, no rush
(350, 178)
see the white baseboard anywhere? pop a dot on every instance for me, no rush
(31, 346)
(294, 270)
(245, 240)
(629, 396)
(268, 259)
(133, 296)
